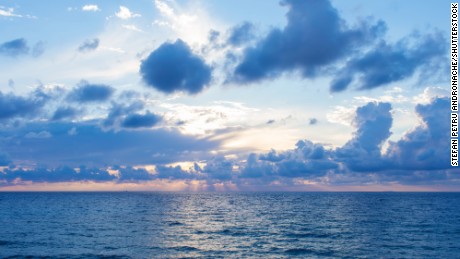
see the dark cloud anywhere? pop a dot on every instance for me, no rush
(141, 120)
(86, 143)
(17, 106)
(173, 67)
(219, 168)
(241, 34)
(363, 152)
(421, 156)
(427, 147)
(14, 48)
(118, 111)
(65, 113)
(270, 122)
(387, 63)
(59, 174)
(315, 36)
(86, 92)
(89, 45)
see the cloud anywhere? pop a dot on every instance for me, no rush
(65, 113)
(387, 63)
(313, 121)
(312, 27)
(92, 146)
(59, 174)
(363, 152)
(89, 45)
(8, 12)
(14, 48)
(90, 8)
(146, 120)
(41, 134)
(241, 34)
(119, 111)
(161, 71)
(86, 92)
(427, 147)
(12, 106)
(132, 27)
(125, 14)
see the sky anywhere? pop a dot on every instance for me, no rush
(176, 95)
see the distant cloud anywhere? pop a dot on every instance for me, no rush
(89, 45)
(41, 134)
(14, 48)
(90, 8)
(160, 69)
(92, 145)
(270, 122)
(420, 156)
(125, 14)
(131, 27)
(141, 120)
(86, 92)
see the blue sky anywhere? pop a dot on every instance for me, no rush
(225, 95)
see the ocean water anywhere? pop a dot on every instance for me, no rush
(229, 225)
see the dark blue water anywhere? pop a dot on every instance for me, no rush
(230, 225)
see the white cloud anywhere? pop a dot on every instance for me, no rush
(125, 14)
(90, 8)
(191, 23)
(132, 27)
(42, 134)
(429, 93)
(8, 12)
(342, 115)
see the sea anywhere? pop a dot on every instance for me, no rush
(229, 225)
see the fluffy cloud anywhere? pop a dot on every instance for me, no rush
(8, 12)
(427, 147)
(421, 156)
(363, 152)
(312, 28)
(12, 106)
(89, 45)
(86, 92)
(125, 14)
(173, 67)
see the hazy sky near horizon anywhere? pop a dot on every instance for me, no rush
(225, 95)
